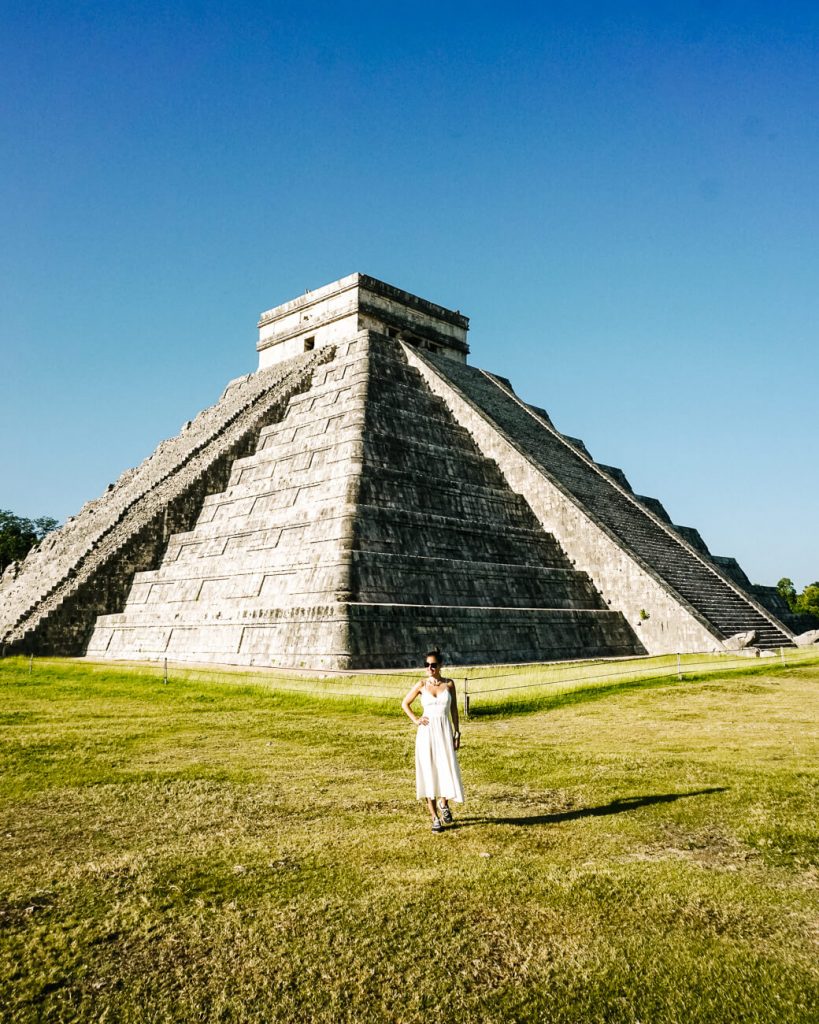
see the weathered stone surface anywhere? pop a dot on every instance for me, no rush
(797, 622)
(694, 539)
(364, 495)
(732, 569)
(808, 638)
(11, 572)
(654, 505)
(616, 474)
(740, 640)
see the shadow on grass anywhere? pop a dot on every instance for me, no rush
(619, 806)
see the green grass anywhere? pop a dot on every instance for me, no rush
(491, 689)
(216, 850)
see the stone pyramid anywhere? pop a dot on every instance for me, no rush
(363, 495)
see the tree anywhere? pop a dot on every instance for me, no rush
(805, 603)
(788, 591)
(808, 600)
(19, 535)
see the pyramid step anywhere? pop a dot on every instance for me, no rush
(486, 635)
(375, 582)
(391, 529)
(384, 635)
(435, 461)
(388, 489)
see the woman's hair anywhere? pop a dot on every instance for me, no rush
(435, 653)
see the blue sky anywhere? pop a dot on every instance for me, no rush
(622, 197)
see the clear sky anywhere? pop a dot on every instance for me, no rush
(624, 198)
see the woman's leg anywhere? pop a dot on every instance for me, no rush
(433, 810)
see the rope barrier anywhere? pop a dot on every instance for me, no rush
(659, 671)
(545, 682)
(397, 683)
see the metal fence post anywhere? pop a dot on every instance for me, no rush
(165, 676)
(30, 663)
(679, 670)
(466, 697)
(782, 654)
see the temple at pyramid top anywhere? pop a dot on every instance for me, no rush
(358, 303)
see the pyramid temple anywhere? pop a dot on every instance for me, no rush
(367, 493)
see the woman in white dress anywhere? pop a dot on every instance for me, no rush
(437, 774)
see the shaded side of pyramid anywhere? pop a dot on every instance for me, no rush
(366, 527)
(663, 578)
(446, 552)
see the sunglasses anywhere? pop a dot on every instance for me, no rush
(432, 664)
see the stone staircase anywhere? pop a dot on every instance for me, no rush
(654, 544)
(50, 602)
(769, 597)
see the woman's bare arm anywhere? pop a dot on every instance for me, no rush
(453, 712)
(408, 700)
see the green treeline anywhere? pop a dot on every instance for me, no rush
(807, 601)
(19, 535)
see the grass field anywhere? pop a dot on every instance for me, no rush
(215, 850)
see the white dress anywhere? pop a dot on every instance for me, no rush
(436, 764)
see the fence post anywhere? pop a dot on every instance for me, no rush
(30, 663)
(165, 676)
(466, 697)
(782, 654)
(679, 670)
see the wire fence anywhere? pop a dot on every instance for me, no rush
(483, 689)
(548, 681)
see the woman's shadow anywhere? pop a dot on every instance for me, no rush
(618, 806)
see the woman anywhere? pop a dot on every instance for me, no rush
(437, 775)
